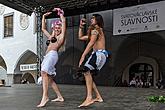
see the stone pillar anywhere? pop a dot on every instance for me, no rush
(9, 80)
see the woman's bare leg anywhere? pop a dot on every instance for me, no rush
(89, 83)
(45, 84)
(98, 96)
(57, 91)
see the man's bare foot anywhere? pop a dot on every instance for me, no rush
(43, 103)
(98, 100)
(59, 99)
(86, 103)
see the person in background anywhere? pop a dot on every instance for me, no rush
(133, 82)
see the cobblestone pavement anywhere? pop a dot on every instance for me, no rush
(26, 97)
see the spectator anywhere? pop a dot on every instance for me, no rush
(159, 84)
(132, 83)
(140, 83)
(39, 81)
(147, 84)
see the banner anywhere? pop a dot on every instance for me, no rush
(140, 18)
(27, 67)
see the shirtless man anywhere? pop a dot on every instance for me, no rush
(97, 59)
(54, 42)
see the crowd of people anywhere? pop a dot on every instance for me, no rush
(137, 82)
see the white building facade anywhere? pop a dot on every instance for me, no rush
(17, 45)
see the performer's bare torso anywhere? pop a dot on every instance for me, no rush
(54, 46)
(100, 43)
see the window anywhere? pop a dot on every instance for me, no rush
(8, 25)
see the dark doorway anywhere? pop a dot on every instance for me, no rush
(28, 78)
(141, 71)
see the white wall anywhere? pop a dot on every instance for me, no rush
(12, 48)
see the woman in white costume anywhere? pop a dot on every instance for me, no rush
(55, 41)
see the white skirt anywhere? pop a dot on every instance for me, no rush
(49, 62)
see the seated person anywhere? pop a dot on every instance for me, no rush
(140, 83)
(132, 83)
(147, 84)
(159, 84)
